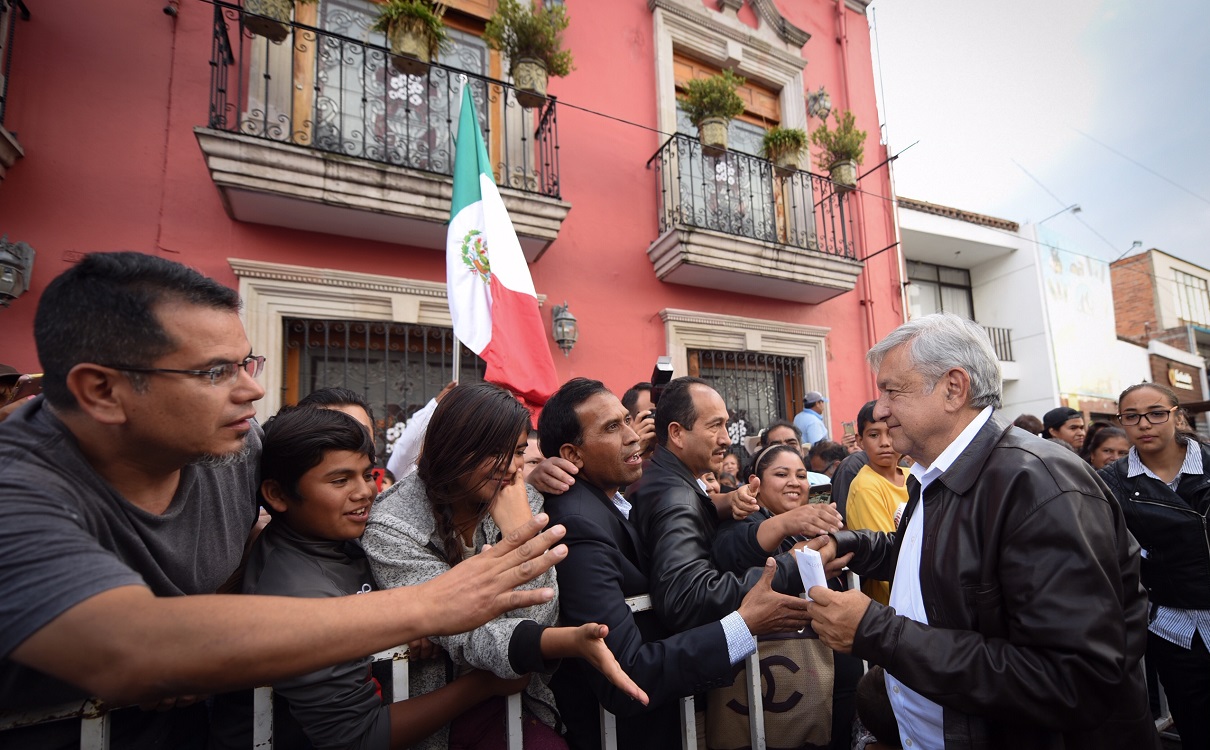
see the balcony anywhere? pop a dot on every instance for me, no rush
(1002, 344)
(319, 132)
(10, 149)
(734, 222)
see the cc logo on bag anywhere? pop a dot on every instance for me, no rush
(770, 687)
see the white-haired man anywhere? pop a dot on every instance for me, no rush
(1016, 616)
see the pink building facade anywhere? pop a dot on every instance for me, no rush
(316, 180)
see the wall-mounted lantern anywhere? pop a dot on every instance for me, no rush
(16, 268)
(563, 328)
(819, 104)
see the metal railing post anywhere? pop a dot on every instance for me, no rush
(262, 718)
(756, 704)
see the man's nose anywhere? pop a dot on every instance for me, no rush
(247, 388)
(629, 437)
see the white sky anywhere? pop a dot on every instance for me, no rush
(982, 84)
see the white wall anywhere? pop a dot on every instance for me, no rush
(1008, 294)
(1132, 362)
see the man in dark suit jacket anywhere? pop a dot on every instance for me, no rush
(606, 570)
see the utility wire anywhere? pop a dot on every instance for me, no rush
(1019, 237)
(1143, 166)
(1087, 226)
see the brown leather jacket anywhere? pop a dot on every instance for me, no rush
(1037, 619)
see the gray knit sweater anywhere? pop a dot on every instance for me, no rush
(403, 547)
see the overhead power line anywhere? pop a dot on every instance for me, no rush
(1143, 166)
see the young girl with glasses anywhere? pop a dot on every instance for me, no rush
(1164, 489)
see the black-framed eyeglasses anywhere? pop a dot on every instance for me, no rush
(219, 374)
(1154, 417)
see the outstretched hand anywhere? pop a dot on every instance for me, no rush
(814, 519)
(826, 547)
(835, 615)
(587, 642)
(766, 611)
(484, 585)
(743, 499)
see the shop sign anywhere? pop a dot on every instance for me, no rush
(1180, 379)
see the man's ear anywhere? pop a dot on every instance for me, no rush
(100, 391)
(957, 384)
(676, 434)
(274, 496)
(569, 452)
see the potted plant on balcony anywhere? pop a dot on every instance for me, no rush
(710, 104)
(784, 146)
(415, 32)
(841, 149)
(269, 18)
(531, 36)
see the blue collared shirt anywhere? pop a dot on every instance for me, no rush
(1172, 624)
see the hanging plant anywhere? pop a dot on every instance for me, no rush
(841, 149)
(531, 37)
(784, 146)
(711, 103)
(269, 18)
(415, 32)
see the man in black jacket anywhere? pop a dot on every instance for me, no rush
(607, 571)
(677, 522)
(1016, 616)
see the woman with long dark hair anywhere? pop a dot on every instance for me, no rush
(1164, 489)
(467, 487)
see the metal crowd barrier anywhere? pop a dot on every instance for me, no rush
(94, 716)
(756, 712)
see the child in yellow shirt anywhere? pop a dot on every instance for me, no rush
(878, 493)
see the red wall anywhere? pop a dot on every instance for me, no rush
(104, 98)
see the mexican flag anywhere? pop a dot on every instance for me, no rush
(491, 294)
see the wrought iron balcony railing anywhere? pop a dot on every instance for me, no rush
(8, 31)
(330, 92)
(747, 196)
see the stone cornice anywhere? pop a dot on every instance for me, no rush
(700, 19)
(255, 269)
(332, 277)
(695, 317)
(789, 33)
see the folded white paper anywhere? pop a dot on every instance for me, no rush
(810, 567)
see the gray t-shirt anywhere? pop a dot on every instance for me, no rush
(67, 535)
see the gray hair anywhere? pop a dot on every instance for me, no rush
(940, 342)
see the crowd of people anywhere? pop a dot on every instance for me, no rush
(159, 547)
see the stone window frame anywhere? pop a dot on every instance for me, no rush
(272, 292)
(694, 329)
(771, 54)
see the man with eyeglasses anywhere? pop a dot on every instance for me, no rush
(127, 494)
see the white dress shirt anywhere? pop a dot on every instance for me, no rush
(920, 719)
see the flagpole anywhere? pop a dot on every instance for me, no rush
(457, 369)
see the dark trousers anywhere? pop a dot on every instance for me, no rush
(1185, 675)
